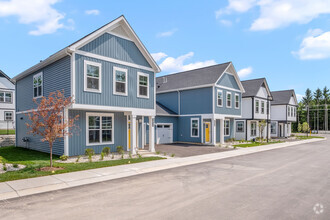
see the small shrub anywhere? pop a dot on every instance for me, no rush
(172, 155)
(130, 155)
(106, 151)
(120, 149)
(164, 153)
(122, 155)
(89, 152)
(102, 156)
(113, 156)
(77, 160)
(157, 152)
(15, 165)
(140, 156)
(4, 168)
(64, 157)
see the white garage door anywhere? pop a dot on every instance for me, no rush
(164, 133)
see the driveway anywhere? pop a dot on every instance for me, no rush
(186, 150)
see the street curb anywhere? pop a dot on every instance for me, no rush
(11, 189)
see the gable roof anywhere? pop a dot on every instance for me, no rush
(162, 110)
(283, 97)
(2, 74)
(202, 77)
(253, 86)
(126, 31)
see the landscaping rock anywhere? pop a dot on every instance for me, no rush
(10, 167)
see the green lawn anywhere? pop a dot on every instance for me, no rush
(34, 160)
(302, 137)
(255, 144)
(2, 132)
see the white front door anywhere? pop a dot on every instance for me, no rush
(164, 133)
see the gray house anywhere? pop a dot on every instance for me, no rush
(111, 76)
(7, 102)
(198, 106)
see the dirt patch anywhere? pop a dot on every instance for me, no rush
(50, 168)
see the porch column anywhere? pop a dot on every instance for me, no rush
(222, 131)
(143, 134)
(214, 131)
(133, 134)
(151, 133)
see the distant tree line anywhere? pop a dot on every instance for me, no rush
(314, 109)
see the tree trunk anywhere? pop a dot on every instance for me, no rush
(51, 153)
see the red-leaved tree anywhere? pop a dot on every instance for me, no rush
(48, 120)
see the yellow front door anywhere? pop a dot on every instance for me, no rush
(129, 135)
(207, 132)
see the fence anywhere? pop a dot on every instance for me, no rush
(7, 127)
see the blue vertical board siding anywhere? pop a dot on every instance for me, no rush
(224, 109)
(196, 101)
(115, 47)
(184, 130)
(56, 76)
(77, 142)
(229, 81)
(35, 142)
(106, 97)
(170, 100)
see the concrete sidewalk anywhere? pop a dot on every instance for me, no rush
(18, 188)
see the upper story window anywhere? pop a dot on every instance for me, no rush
(8, 116)
(37, 85)
(93, 73)
(194, 127)
(119, 81)
(294, 111)
(228, 100)
(143, 85)
(6, 97)
(240, 126)
(236, 101)
(289, 111)
(219, 98)
(262, 107)
(257, 106)
(227, 127)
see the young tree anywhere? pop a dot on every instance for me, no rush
(305, 128)
(307, 99)
(262, 125)
(317, 99)
(48, 120)
(299, 127)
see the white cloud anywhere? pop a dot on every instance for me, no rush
(171, 64)
(226, 22)
(299, 97)
(92, 12)
(36, 12)
(158, 56)
(278, 13)
(245, 72)
(315, 46)
(167, 33)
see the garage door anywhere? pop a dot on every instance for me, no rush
(164, 133)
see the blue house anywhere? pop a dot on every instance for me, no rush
(111, 76)
(198, 106)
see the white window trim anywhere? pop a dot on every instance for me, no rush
(224, 129)
(243, 126)
(87, 128)
(4, 97)
(220, 91)
(138, 85)
(253, 122)
(42, 84)
(99, 65)
(257, 110)
(237, 95)
(114, 81)
(12, 116)
(262, 111)
(191, 120)
(229, 106)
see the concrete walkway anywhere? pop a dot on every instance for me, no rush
(18, 188)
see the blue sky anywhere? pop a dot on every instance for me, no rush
(286, 41)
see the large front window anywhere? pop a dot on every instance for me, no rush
(219, 98)
(253, 129)
(37, 85)
(227, 128)
(100, 128)
(92, 76)
(143, 85)
(120, 81)
(6, 97)
(194, 127)
(240, 126)
(273, 128)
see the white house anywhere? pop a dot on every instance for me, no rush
(255, 108)
(7, 102)
(283, 112)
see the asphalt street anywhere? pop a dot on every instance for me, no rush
(287, 183)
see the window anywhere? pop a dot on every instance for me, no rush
(119, 81)
(143, 85)
(37, 85)
(237, 101)
(99, 128)
(257, 106)
(93, 73)
(240, 126)
(228, 99)
(194, 126)
(273, 128)
(227, 127)
(262, 107)
(294, 112)
(6, 97)
(253, 129)
(220, 98)
(8, 116)
(289, 111)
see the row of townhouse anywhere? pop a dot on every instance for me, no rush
(7, 102)
(121, 102)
